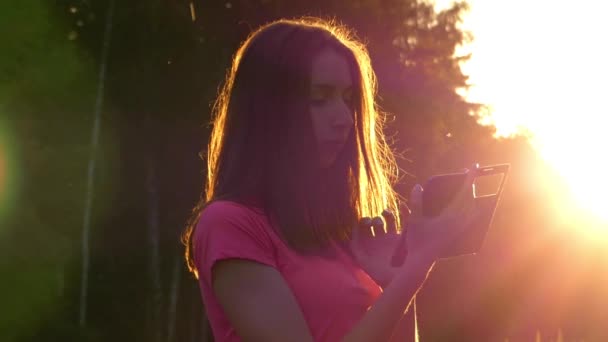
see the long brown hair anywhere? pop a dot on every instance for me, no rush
(262, 146)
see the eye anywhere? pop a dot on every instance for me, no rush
(318, 97)
(318, 102)
(349, 97)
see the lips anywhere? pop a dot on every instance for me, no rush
(334, 142)
(333, 145)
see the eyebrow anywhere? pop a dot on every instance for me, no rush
(327, 86)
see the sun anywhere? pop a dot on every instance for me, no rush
(547, 79)
(583, 166)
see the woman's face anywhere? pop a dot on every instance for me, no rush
(331, 104)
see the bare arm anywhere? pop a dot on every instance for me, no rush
(407, 327)
(258, 302)
(261, 306)
(381, 319)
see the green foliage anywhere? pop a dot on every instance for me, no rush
(47, 88)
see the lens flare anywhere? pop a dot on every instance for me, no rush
(544, 76)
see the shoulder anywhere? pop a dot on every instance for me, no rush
(227, 222)
(224, 211)
(230, 230)
(228, 215)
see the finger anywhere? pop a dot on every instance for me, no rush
(415, 202)
(468, 191)
(391, 222)
(400, 252)
(378, 225)
(365, 227)
(405, 215)
(467, 188)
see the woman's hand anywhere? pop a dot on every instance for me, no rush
(429, 238)
(373, 251)
(382, 252)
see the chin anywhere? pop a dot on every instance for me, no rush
(326, 163)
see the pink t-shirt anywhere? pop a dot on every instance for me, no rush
(333, 294)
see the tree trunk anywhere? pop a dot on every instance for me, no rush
(173, 295)
(86, 226)
(153, 244)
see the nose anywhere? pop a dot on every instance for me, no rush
(343, 116)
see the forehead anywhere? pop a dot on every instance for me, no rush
(330, 68)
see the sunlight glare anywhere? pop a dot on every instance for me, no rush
(542, 67)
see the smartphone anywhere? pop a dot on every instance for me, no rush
(440, 190)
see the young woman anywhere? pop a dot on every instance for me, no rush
(282, 243)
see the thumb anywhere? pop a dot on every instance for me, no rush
(415, 202)
(415, 213)
(400, 252)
